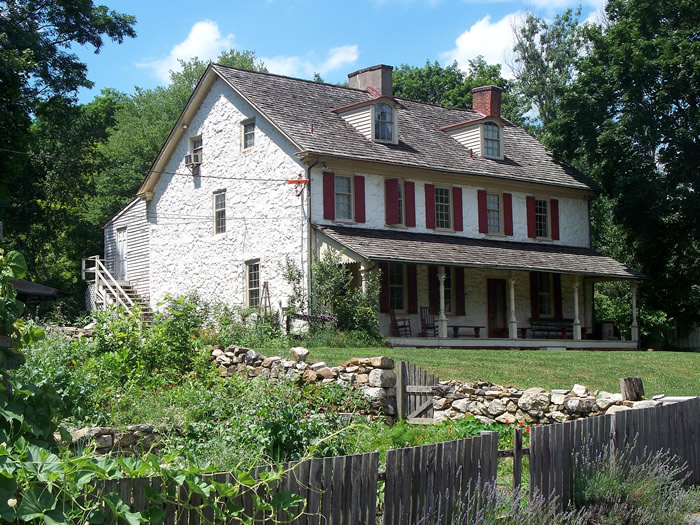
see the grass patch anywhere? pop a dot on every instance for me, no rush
(669, 373)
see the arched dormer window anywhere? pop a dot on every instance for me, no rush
(492, 140)
(383, 122)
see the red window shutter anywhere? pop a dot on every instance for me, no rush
(531, 226)
(359, 198)
(554, 212)
(459, 290)
(412, 278)
(430, 206)
(457, 209)
(409, 190)
(556, 283)
(384, 287)
(391, 201)
(483, 216)
(328, 195)
(534, 295)
(508, 214)
(433, 290)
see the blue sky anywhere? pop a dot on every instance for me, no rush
(300, 37)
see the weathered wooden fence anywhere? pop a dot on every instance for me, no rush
(432, 480)
(414, 393)
(672, 428)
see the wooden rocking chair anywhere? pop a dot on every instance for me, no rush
(427, 322)
(400, 327)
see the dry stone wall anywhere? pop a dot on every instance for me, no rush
(373, 375)
(136, 438)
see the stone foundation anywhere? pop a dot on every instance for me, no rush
(136, 438)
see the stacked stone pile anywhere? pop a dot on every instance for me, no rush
(136, 438)
(373, 375)
(72, 333)
(489, 402)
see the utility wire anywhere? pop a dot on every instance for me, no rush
(127, 168)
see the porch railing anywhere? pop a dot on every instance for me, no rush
(107, 289)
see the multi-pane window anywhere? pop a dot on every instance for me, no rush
(442, 208)
(400, 199)
(383, 122)
(253, 271)
(492, 140)
(220, 212)
(546, 296)
(541, 218)
(343, 198)
(397, 286)
(249, 135)
(493, 212)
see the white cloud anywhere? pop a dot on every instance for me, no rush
(204, 41)
(306, 66)
(492, 40)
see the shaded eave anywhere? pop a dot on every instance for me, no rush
(205, 83)
(434, 249)
(311, 157)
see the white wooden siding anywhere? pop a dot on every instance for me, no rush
(360, 119)
(133, 217)
(469, 137)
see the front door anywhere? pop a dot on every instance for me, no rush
(120, 263)
(496, 289)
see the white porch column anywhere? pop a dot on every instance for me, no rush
(577, 318)
(635, 325)
(512, 320)
(442, 318)
(364, 275)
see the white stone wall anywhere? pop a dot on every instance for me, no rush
(265, 219)
(573, 213)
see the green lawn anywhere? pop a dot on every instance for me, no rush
(669, 373)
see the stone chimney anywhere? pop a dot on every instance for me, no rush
(487, 100)
(376, 77)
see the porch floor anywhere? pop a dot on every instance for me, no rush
(511, 344)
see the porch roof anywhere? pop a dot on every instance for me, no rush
(427, 248)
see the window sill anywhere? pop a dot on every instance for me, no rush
(495, 234)
(343, 221)
(396, 226)
(445, 230)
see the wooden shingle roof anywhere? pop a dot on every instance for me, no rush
(427, 248)
(302, 110)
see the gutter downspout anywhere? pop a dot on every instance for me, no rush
(309, 233)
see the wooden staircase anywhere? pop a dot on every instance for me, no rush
(109, 291)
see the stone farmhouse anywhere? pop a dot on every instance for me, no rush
(482, 237)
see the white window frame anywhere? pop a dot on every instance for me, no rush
(244, 133)
(450, 204)
(250, 266)
(499, 195)
(219, 210)
(485, 139)
(402, 287)
(196, 146)
(548, 218)
(351, 198)
(394, 126)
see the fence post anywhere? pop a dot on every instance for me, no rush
(517, 459)
(400, 390)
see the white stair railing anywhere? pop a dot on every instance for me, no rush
(107, 287)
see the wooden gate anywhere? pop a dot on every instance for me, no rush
(414, 393)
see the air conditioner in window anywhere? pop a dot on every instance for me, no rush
(193, 159)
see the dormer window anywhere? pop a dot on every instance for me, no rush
(492, 140)
(383, 122)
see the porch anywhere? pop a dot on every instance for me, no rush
(448, 291)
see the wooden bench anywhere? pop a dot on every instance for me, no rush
(455, 329)
(548, 327)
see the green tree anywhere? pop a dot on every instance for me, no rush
(544, 64)
(451, 87)
(630, 119)
(141, 127)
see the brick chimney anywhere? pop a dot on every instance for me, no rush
(487, 100)
(376, 77)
